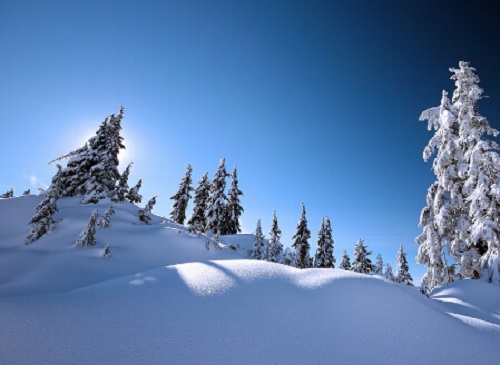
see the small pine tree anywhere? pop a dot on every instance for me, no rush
(274, 246)
(379, 265)
(87, 236)
(215, 213)
(301, 244)
(8, 194)
(144, 213)
(346, 262)
(181, 198)
(201, 194)
(258, 243)
(27, 192)
(288, 257)
(388, 272)
(105, 218)
(362, 263)
(122, 189)
(133, 195)
(403, 274)
(107, 251)
(233, 208)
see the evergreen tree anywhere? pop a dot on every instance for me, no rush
(346, 262)
(403, 274)
(233, 208)
(8, 194)
(104, 221)
(27, 192)
(107, 251)
(324, 253)
(379, 265)
(122, 189)
(258, 243)
(274, 246)
(181, 198)
(301, 244)
(216, 205)
(388, 272)
(288, 257)
(201, 195)
(133, 195)
(42, 222)
(362, 262)
(144, 213)
(87, 236)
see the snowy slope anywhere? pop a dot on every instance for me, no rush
(164, 299)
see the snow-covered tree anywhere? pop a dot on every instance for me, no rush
(258, 243)
(403, 273)
(104, 221)
(379, 265)
(8, 194)
(324, 253)
(216, 205)
(122, 188)
(42, 222)
(346, 262)
(362, 262)
(181, 198)
(201, 195)
(87, 236)
(106, 251)
(144, 213)
(274, 246)
(301, 245)
(27, 192)
(288, 257)
(233, 207)
(133, 195)
(388, 272)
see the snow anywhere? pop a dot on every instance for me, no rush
(163, 298)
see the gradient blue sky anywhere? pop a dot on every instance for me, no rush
(316, 101)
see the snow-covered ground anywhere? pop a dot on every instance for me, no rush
(163, 298)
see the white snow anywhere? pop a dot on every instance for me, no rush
(163, 298)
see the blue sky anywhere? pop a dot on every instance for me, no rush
(315, 101)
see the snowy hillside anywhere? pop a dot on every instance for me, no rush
(163, 298)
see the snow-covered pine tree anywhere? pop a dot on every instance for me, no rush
(288, 257)
(275, 248)
(379, 265)
(346, 262)
(144, 213)
(181, 198)
(324, 253)
(201, 195)
(42, 222)
(258, 244)
(87, 236)
(27, 192)
(319, 256)
(388, 272)
(403, 273)
(76, 173)
(362, 262)
(104, 221)
(233, 207)
(301, 245)
(133, 195)
(8, 194)
(215, 213)
(104, 150)
(122, 188)
(106, 251)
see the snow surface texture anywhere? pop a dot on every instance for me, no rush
(162, 298)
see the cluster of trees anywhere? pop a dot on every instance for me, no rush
(460, 222)
(215, 212)
(272, 250)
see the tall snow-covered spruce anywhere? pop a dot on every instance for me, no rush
(233, 207)
(122, 188)
(324, 253)
(87, 236)
(362, 262)
(201, 195)
(403, 274)
(181, 198)
(301, 244)
(461, 216)
(216, 205)
(274, 246)
(258, 244)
